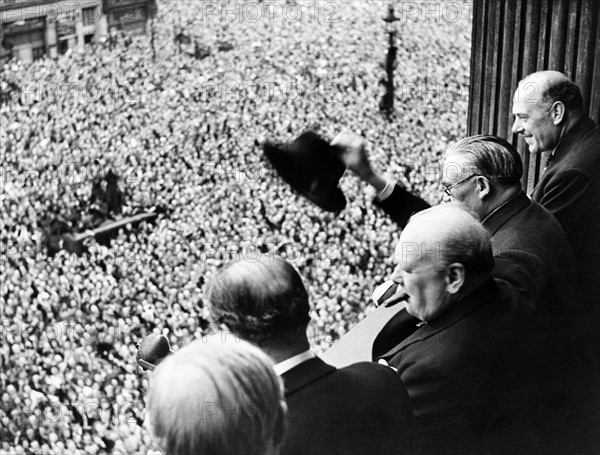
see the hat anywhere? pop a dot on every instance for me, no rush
(312, 167)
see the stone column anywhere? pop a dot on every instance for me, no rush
(101, 29)
(79, 29)
(50, 37)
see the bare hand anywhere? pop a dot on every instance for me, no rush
(353, 153)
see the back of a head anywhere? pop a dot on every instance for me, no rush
(217, 398)
(449, 234)
(261, 301)
(491, 157)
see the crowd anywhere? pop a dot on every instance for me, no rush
(183, 133)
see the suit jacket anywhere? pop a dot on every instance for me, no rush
(468, 377)
(359, 409)
(531, 252)
(570, 189)
(533, 255)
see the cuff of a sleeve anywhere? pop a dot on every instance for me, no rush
(387, 190)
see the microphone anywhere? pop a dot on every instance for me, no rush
(152, 350)
(389, 294)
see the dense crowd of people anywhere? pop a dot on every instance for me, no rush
(184, 133)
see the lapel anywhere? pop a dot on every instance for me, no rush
(304, 374)
(495, 220)
(580, 129)
(560, 153)
(456, 313)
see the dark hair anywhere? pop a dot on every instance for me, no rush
(565, 91)
(259, 300)
(492, 157)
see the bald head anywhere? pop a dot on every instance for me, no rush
(546, 105)
(553, 86)
(449, 234)
(444, 253)
(545, 79)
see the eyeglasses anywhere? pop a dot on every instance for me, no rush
(448, 188)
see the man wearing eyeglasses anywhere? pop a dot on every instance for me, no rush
(531, 252)
(483, 174)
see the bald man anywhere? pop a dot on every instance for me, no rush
(467, 366)
(549, 114)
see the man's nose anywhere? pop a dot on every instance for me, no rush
(517, 127)
(396, 276)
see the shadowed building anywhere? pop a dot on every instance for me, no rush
(32, 29)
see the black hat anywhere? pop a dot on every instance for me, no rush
(312, 167)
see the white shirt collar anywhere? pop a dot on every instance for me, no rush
(288, 364)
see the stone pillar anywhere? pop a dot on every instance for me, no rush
(50, 37)
(79, 29)
(101, 29)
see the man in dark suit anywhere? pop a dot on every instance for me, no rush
(548, 110)
(466, 366)
(483, 173)
(531, 252)
(359, 409)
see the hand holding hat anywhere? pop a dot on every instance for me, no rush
(312, 167)
(353, 153)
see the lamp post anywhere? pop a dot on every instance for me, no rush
(387, 100)
(152, 12)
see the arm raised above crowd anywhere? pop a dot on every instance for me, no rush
(397, 202)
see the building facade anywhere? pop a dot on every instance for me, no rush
(31, 29)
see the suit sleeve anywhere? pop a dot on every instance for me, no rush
(401, 205)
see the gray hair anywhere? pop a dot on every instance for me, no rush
(217, 398)
(491, 157)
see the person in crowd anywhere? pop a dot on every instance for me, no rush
(180, 133)
(362, 408)
(549, 115)
(467, 365)
(216, 397)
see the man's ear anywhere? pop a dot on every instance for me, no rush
(557, 111)
(456, 277)
(483, 187)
